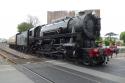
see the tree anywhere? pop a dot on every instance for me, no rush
(33, 20)
(106, 42)
(24, 26)
(98, 40)
(110, 34)
(122, 36)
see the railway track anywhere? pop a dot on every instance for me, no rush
(12, 59)
(6, 59)
(17, 57)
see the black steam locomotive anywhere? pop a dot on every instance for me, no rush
(69, 38)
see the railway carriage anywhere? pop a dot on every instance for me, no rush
(12, 41)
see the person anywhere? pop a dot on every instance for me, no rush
(113, 48)
(100, 45)
(116, 50)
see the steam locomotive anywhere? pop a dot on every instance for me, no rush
(70, 38)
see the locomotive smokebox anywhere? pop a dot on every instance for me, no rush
(85, 23)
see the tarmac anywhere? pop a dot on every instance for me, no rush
(9, 74)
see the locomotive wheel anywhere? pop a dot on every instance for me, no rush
(101, 63)
(54, 56)
(86, 60)
(89, 61)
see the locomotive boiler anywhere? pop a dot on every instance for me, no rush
(69, 38)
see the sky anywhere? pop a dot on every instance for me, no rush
(13, 12)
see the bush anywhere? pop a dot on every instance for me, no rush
(106, 42)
